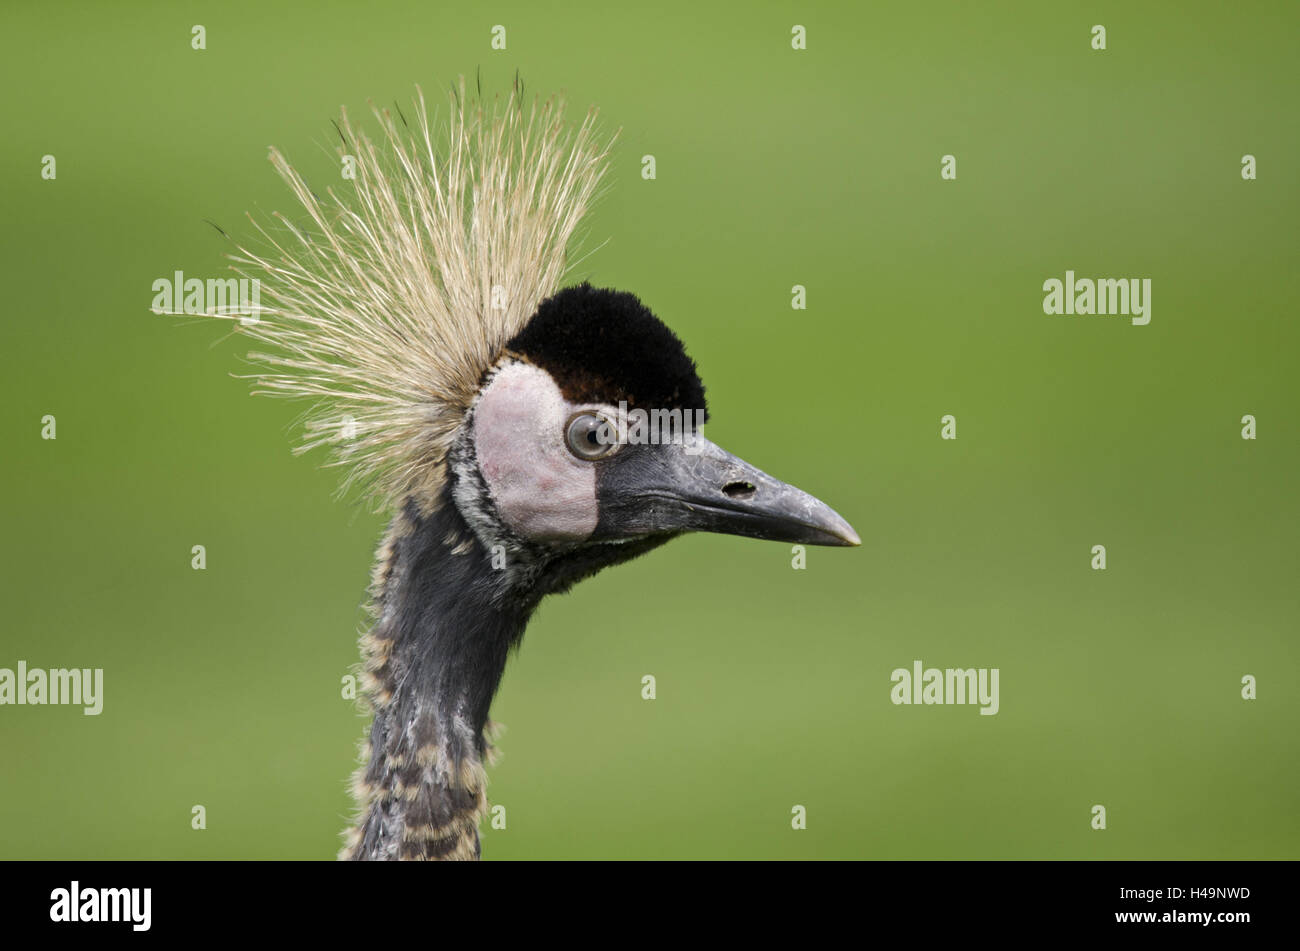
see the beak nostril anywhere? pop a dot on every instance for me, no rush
(738, 490)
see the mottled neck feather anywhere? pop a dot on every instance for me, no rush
(433, 660)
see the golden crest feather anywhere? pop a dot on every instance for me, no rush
(400, 289)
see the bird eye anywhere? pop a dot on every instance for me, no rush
(590, 437)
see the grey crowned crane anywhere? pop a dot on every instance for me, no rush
(521, 436)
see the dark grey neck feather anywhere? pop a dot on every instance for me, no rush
(434, 659)
(451, 600)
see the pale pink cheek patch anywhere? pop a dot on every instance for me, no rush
(541, 491)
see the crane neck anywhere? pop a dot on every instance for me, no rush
(452, 593)
(446, 618)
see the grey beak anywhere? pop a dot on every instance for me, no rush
(698, 486)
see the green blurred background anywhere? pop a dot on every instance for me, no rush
(775, 168)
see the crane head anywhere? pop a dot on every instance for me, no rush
(586, 434)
